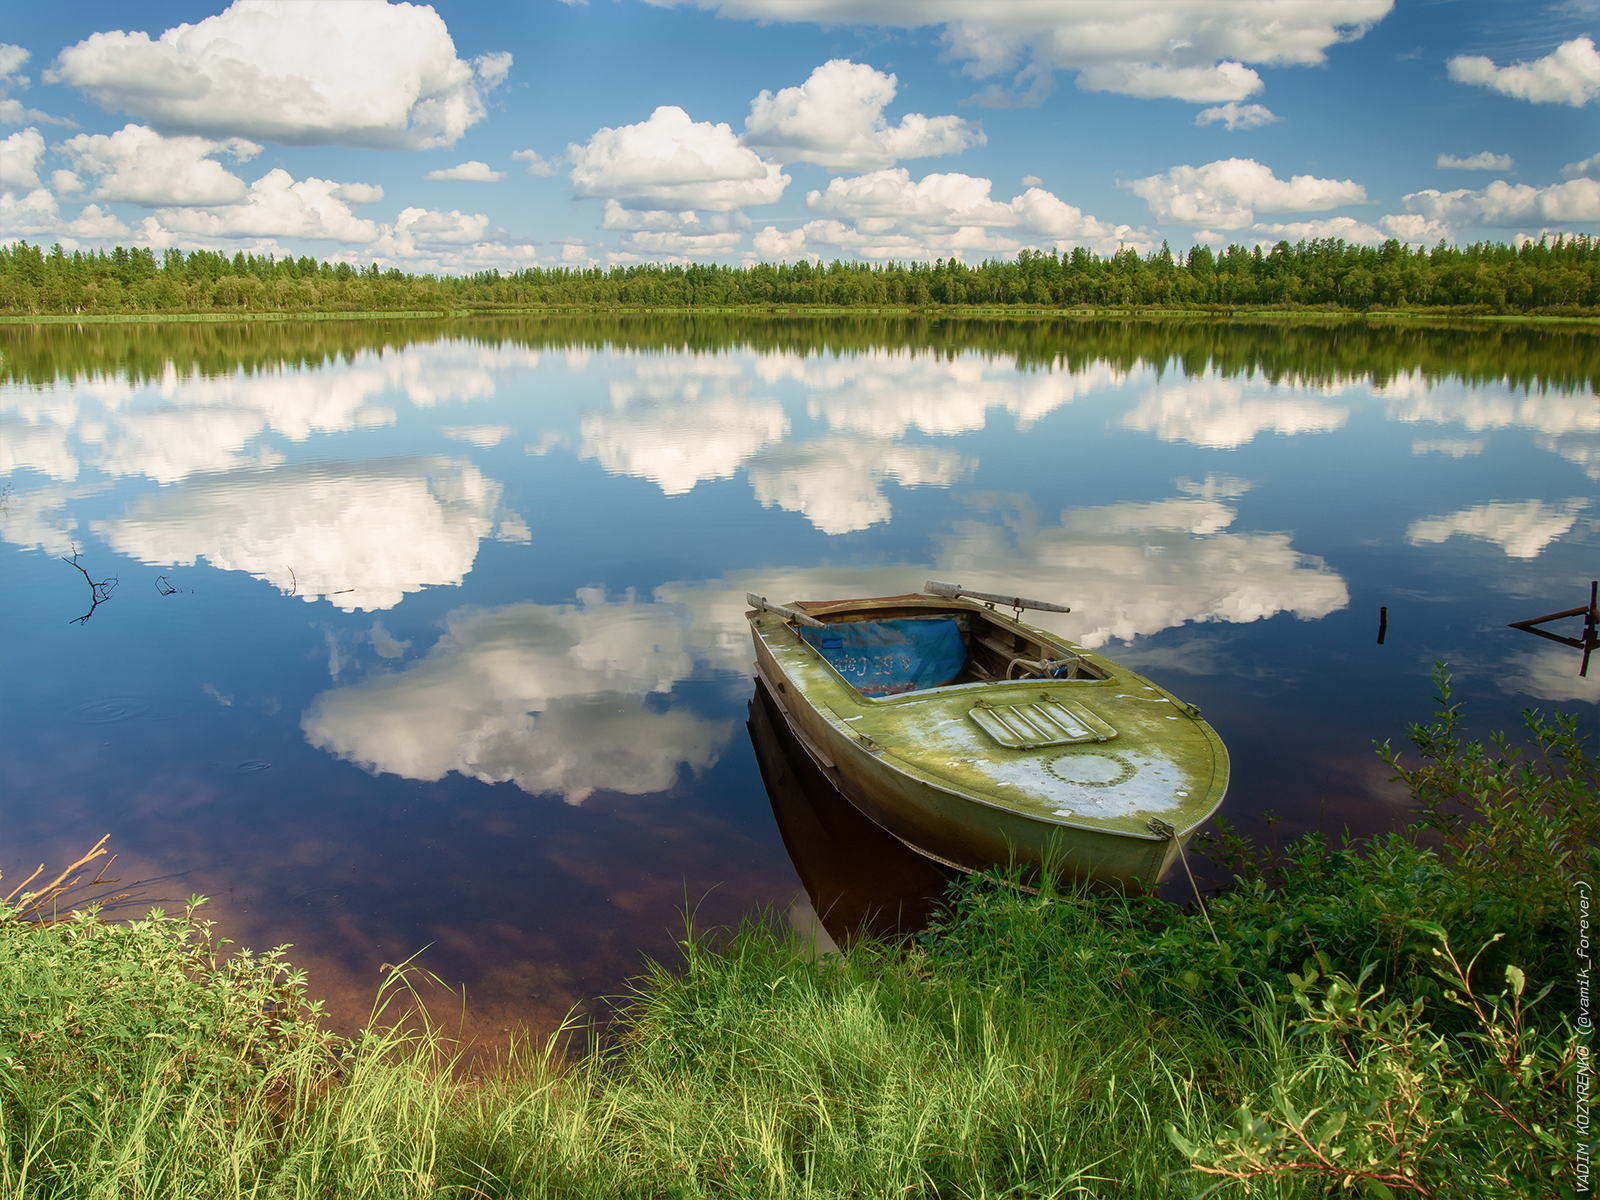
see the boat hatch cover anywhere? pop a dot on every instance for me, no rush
(1043, 723)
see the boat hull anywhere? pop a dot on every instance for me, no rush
(965, 826)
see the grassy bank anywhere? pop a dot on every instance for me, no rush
(1384, 1018)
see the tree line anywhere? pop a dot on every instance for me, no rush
(1559, 275)
(1562, 356)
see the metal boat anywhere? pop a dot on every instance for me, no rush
(976, 739)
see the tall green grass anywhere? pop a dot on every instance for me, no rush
(1338, 1037)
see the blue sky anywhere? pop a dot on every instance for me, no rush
(620, 131)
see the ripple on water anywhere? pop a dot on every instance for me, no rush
(320, 900)
(112, 708)
(251, 765)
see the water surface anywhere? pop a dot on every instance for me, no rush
(430, 634)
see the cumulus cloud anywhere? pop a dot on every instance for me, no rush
(313, 72)
(1548, 673)
(1568, 75)
(37, 214)
(1584, 168)
(835, 119)
(1237, 116)
(1348, 228)
(471, 172)
(273, 206)
(19, 160)
(1193, 51)
(1216, 412)
(361, 535)
(137, 165)
(11, 110)
(1415, 228)
(1503, 204)
(537, 163)
(556, 699)
(1522, 529)
(885, 214)
(672, 162)
(1484, 160)
(1226, 194)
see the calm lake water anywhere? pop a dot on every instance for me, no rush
(431, 634)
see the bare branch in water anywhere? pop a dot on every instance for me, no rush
(165, 588)
(99, 593)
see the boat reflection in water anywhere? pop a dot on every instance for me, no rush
(859, 878)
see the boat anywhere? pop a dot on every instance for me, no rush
(978, 740)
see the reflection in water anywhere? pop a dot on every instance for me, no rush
(1188, 484)
(554, 698)
(1522, 530)
(1215, 412)
(361, 535)
(858, 877)
(1566, 423)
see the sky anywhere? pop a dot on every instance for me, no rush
(461, 137)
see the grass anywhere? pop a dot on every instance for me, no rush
(1352, 1030)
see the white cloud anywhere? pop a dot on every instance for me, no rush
(537, 164)
(38, 215)
(360, 534)
(11, 111)
(1226, 194)
(1415, 228)
(890, 216)
(315, 72)
(1568, 75)
(552, 698)
(1237, 116)
(65, 183)
(1522, 529)
(1211, 84)
(1484, 160)
(672, 162)
(836, 119)
(773, 245)
(471, 172)
(1193, 51)
(1214, 411)
(1502, 204)
(1032, 181)
(137, 165)
(273, 206)
(1348, 228)
(1584, 168)
(358, 193)
(19, 160)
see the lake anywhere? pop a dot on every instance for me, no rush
(428, 636)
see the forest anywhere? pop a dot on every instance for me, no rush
(1552, 276)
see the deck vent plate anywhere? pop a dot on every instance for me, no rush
(1043, 723)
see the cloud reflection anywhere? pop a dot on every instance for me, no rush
(556, 698)
(1522, 529)
(1215, 412)
(360, 534)
(1128, 570)
(1564, 423)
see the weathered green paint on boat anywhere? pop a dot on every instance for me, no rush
(1112, 813)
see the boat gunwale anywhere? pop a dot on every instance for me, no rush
(942, 604)
(848, 738)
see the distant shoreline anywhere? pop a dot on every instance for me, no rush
(958, 312)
